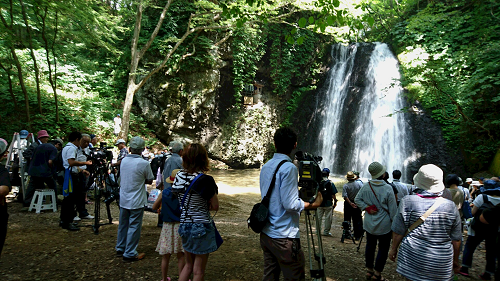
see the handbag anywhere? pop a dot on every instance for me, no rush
(378, 202)
(260, 211)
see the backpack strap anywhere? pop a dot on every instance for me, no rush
(265, 200)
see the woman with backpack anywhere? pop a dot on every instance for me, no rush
(489, 197)
(170, 242)
(197, 193)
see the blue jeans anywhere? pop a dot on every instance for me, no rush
(129, 231)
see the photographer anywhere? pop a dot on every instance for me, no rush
(71, 175)
(280, 238)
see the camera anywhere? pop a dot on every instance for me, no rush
(309, 175)
(100, 155)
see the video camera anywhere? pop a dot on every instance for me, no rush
(310, 175)
(100, 155)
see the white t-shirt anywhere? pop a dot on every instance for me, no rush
(68, 152)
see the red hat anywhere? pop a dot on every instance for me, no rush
(42, 133)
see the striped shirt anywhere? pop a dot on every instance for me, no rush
(195, 207)
(426, 253)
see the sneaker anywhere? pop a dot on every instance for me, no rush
(88, 217)
(136, 258)
(70, 227)
(119, 254)
(485, 276)
(77, 218)
(327, 234)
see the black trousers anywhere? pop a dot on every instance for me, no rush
(38, 183)
(357, 220)
(75, 200)
(384, 243)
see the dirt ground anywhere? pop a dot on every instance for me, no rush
(38, 249)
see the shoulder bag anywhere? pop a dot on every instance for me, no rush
(218, 237)
(421, 220)
(260, 211)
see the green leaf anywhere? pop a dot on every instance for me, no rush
(300, 40)
(289, 39)
(293, 31)
(311, 19)
(330, 20)
(302, 22)
(239, 23)
(336, 3)
(370, 21)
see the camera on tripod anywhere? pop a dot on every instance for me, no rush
(309, 175)
(101, 155)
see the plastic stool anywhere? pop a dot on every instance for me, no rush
(37, 201)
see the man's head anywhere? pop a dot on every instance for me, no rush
(350, 176)
(396, 174)
(75, 138)
(176, 146)
(285, 140)
(93, 139)
(117, 115)
(120, 143)
(452, 179)
(42, 136)
(137, 145)
(84, 141)
(325, 172)
(58, 143)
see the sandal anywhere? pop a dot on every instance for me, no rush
(369, 275)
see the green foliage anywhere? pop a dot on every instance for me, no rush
(450, 58)
(248, 49)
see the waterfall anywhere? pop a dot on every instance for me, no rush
(360, 117)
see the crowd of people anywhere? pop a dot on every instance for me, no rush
(419, 224)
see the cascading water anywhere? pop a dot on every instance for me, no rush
(360, 123)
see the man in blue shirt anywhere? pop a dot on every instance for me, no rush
(173, 162)
(280, 238)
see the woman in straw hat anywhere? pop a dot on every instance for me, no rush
(428, 250)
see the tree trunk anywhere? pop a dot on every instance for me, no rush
(131, 88)
(11, 91)
(32, 52)
(23, 87)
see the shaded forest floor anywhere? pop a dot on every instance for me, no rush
(38, 249)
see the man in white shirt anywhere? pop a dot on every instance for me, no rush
(134, 173)
(69, 155)
(118, 124)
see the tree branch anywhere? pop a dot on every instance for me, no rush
(157, 29)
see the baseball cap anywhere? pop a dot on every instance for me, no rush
(137, 143)
(120, 141)
(23, 134)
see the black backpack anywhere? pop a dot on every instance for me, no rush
(326, 191)
(259, 216)
(58, 162)
(476, 224)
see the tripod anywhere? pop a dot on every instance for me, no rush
(101, 177)
(317, 274)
